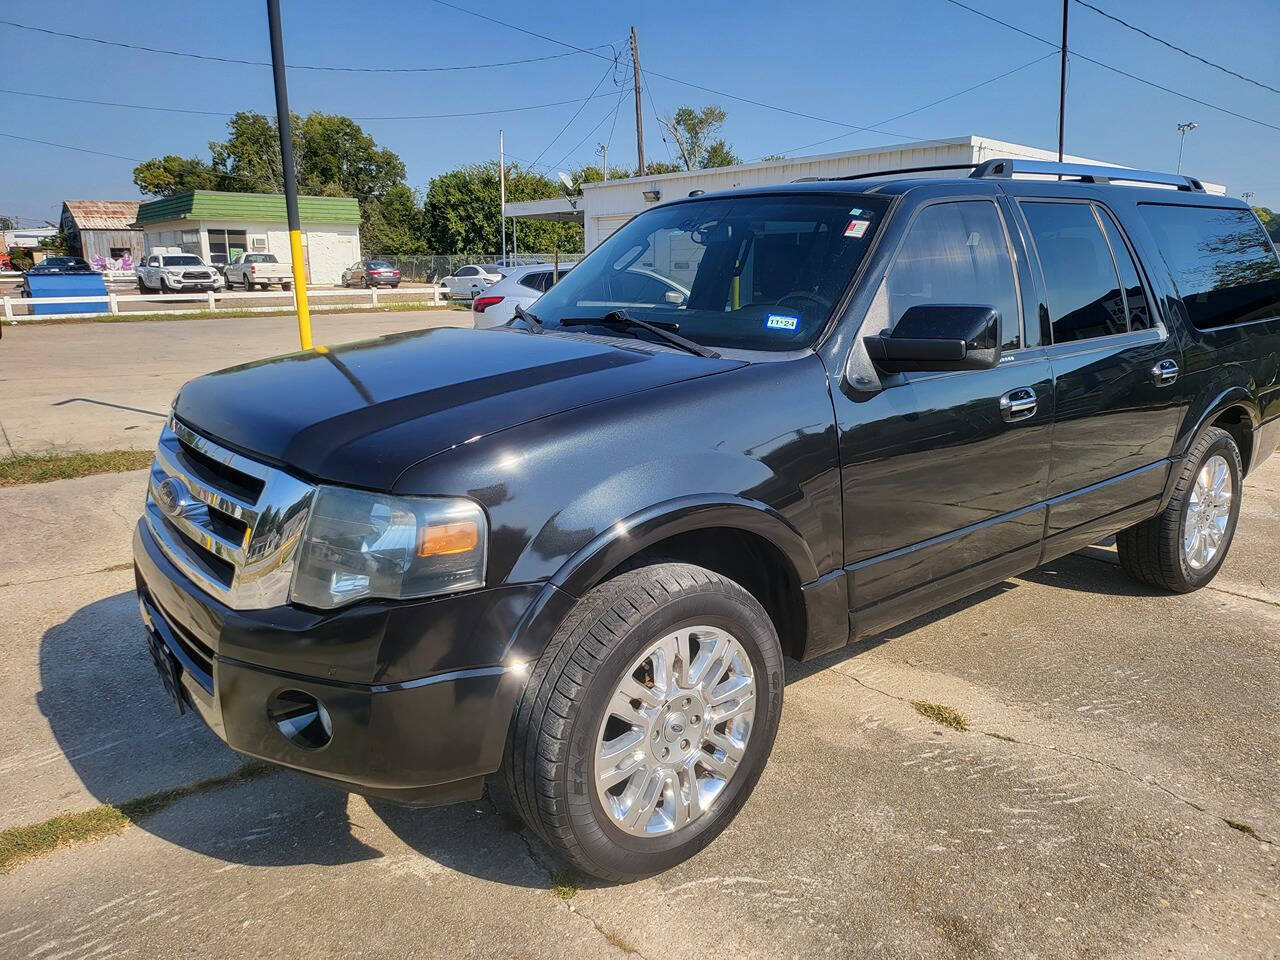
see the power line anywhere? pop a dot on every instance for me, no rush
(574, 149)
(292, 66)
(608, 73)
(933, 103)
(1123, 73)
(64, 146)
(1174, 46)
(219, 113)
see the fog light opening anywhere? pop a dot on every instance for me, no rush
(301, 719)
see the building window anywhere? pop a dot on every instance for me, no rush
(226, 245)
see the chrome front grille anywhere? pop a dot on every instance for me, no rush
(229, 523)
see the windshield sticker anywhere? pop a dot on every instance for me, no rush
(856, 212)
(856, 228)
(781, 321)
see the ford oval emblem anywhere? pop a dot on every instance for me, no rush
(171, 496)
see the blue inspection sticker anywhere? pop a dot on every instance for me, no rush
(781, 321)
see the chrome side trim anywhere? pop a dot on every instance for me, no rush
(186, 525)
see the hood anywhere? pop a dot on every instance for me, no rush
(361, 413)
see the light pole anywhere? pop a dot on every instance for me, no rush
(1183, 130)
(1247, 197)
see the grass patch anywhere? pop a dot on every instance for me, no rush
(395, 307)
(20, 844)
(941, 713)
(564, 884)
(43, 467)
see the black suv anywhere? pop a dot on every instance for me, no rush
(575, 549)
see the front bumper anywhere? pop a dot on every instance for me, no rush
(421, 741)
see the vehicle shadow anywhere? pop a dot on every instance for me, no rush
(122, 737)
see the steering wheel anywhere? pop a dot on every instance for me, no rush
(804, 296)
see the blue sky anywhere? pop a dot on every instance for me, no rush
(860, 63)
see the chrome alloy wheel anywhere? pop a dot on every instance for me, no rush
(1208, 512)
(675, 730)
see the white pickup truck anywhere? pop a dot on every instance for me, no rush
(253, 270)
(174, 272)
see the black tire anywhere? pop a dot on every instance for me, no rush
(286, 287)
(248, 285)
(550, 756)
(395, 286)
(1151, 551)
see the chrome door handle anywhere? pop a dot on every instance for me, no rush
(1164, 373)
(1018, 404)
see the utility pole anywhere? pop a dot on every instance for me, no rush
(1247, 197)
(502, 192)
(603, 150)
(290, 177)
(1183, 130)
(1062, 83)
(635, 65)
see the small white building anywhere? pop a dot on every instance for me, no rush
(218, 227)
(605, 206)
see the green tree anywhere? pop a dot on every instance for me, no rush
(1270, 221)
(171, 174)
(462, 212)
(395, 223)
(696, 133)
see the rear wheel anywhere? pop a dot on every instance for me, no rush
(248, 284)
(1183, 547)
(647, 721)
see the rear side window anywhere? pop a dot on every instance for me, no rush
(538, 280)
(1085, 300)
(957, 253)
(1135, 296)
(1222, 264)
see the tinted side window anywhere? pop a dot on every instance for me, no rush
(467, 272)
(1084, 292)
(1139, 308)
(957, 253)
(538, 280)
(1221, 262)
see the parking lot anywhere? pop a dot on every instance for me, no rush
(1115, 794)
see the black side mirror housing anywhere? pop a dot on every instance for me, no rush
(939, 337)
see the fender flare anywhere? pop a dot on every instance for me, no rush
(1236, 396)
(629, 536)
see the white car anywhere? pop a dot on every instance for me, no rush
(522, 285)
(465, 282)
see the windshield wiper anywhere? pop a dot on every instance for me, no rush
(530, 319)
(664, 331)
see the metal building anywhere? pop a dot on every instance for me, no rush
(101, 232)
(604, 207)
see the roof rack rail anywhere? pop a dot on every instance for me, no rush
(890, 173)
(1005, 168)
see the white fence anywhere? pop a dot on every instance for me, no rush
(356, 299)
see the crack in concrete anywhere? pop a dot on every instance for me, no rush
(69, 576)
(1236, 825)
(1115, 564)
(610, 938)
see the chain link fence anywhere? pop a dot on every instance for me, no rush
(432, 269)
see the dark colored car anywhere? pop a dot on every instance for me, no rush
(575, 550)
(371, 273)
(54, 265)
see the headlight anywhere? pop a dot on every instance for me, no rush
(360, 544)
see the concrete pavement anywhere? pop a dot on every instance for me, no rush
(1115, 796)
(106, 386)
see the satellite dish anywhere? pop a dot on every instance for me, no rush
(565, 179)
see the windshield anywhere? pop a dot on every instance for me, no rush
(752, 272)
(187, 261)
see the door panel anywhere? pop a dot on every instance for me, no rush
(1115, 417)
(937, 481)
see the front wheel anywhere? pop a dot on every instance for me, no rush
(1182, 548)
(647, 721)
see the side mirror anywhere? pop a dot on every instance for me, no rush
(939, 337)
(674, 297)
